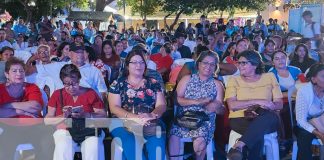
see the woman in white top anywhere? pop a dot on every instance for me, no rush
(20, 43)
(310, 111)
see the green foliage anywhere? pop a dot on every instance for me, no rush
(65, 3)
(174, 6)
(142, 7)
(42, 7)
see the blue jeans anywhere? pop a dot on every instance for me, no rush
(151, 145)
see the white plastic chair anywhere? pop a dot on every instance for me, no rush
(21, 148)
(209, 149)
(117, 151)
(291, 91)
(314, 142)
(270, 143)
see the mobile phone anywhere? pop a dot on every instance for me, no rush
(77, 109)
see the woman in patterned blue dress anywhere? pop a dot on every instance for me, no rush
(198, 92)
(140, 98)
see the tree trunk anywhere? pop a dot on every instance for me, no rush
(176, 19)
(166, 26)
(27, 9)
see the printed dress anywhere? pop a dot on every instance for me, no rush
(197, 89)
(137, 100)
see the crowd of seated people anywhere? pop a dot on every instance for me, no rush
(54, 73)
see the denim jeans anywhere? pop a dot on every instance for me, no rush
(154, 146)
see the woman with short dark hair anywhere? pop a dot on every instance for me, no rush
(74, 101)
(198, 92)
(259, 93)
(140, 98)
(63, 51)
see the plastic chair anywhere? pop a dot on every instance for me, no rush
(291, 91)
(209, 149)
(21, 148)
(117, 151)
(270, 144)
(314, 142)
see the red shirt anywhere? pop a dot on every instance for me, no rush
(31, 93)
(162, 62)
(88, 100)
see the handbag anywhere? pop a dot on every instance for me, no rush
(192, 119)
(150, 129)
(78, 131)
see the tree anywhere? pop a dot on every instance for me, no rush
(232, 5)
(34, 9)
(143, 7)
(177, 7)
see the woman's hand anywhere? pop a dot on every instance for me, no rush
(144, 118)
(203, 101)
(319, 135)
(67, 111)
(266, 104)
(78, 113)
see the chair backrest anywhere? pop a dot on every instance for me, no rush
(291, 91)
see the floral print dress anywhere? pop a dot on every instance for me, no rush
(197, 89)
(136, 100)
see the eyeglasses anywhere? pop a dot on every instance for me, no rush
(44, 52)
(137, 62)
(72, 84)
(208, 64)
(243, 63)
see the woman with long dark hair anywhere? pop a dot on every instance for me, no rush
(110, 58)
(301, 58)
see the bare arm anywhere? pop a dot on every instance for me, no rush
(115, 107)
(217, 105)
(236, 105)
(51, 119)
(227, 69)
(7, 112)
(183, 72)
(160, 105)
(181, 88)
(29, 106)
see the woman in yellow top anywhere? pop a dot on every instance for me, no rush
(252, 89)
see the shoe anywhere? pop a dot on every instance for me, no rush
(234, 154)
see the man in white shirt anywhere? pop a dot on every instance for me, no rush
(91, 77)
(3, 41)
(311, 29)
(190, 42)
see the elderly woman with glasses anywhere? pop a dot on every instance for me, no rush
(21, 102)
(252, 98)
(198, 92)
(140, 98)
(74, 101)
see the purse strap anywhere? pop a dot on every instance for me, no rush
(61, 98)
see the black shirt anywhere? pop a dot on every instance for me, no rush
(304, 65)
(185, 52)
